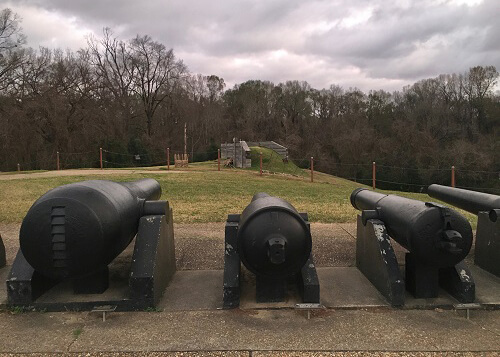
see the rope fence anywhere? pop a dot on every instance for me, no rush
(378, 175)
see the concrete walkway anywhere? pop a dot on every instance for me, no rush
(252, 330)
(188, 318)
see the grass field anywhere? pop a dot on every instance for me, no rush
(204, 195)
(272, 162)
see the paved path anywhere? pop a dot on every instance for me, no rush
(80, 172)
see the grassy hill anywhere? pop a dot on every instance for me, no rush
(273, 163)
(202, 194)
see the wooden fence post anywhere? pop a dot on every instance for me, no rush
(18, 167)
(261, 163)
(374, 175)
(58, 163)
(100, 157)
(312, 169)
(453, 176)
(168, 158)
(218, 159)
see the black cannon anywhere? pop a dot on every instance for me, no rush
(487, 208)
(274, 242)
(437, 238)
(75, 231)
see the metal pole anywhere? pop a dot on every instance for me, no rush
(58, 166)
(234, 154)
(100, 157)
(218, 159)
(312, 169)
(168, 158)
(185, 139)
(374, 174)
(242, 156)
(261, 163)
(453, 176)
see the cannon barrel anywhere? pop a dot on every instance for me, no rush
(77, 229)
(273, 239)
(435, 234)
(470, 201)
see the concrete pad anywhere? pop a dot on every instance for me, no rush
(190, 290)
(39, 332)
(487, 286)
(264, 330)
(348, 288)
(193, 290)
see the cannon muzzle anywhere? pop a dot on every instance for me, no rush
(77, 229)
(470, 201)
(273, 239)
(435, 234)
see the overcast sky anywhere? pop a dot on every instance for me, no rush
(353, 43)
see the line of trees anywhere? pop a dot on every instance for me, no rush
(135, 96)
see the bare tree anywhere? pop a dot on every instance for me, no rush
(111, 62)
(157, 73)
(11, 36)
(479, 85)
(11, 40)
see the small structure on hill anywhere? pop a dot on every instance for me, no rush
(181, 160)
(238, 152)
(279, 149)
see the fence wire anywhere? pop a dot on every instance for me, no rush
(387, 176)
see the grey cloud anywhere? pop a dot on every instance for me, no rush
(396, 46)
(397, 43)
(386, 34)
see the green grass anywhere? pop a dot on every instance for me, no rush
(209, 196)
(273, 163)
(15, 310)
